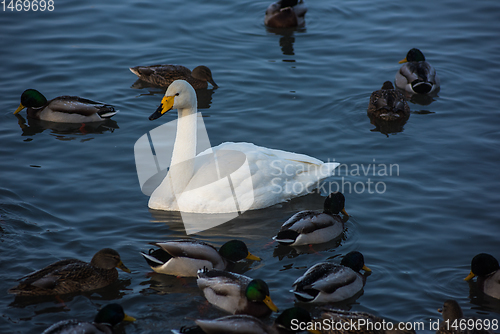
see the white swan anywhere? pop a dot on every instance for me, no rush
(258, 176)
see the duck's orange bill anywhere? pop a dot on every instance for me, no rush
(250, 256)
(21, 107)
(270, 304)
(470, 276)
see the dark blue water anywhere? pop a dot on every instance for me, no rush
(69, 191)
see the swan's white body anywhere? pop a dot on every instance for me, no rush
(265, 177)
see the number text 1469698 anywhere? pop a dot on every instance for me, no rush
(27, 5)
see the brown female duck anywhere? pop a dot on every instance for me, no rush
(164, 75)
(72, 275)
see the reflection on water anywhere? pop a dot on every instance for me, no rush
(114, 291)
(421, 99)
(62, 130)
(287, 38)
(388, 127)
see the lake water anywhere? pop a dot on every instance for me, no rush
(66, 192)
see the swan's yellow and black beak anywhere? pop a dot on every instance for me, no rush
(21, 107)
(402, 61)
(166, 104)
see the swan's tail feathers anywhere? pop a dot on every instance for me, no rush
(330, 166)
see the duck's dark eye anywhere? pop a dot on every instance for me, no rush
(177, 94)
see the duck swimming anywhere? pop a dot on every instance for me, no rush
(487, 270)
(109, 316)
(72, 275)
(283, 324)
(328, 282)
(164, 75)
(258, 183)
(285, 14)
(416, 75)
(185, 257)
(388, 104)
(236, 294)
(313, 227)
(64, 109)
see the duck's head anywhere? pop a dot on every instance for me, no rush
(335, 203)
(258, 291)
(482, 265)
(112, 314)
(451, 310)
(108, 258)
(286, 319)
(413, 55)
(355, 261)
(387, 85)
(31, 98)
(235, 250)
(179, 95)
(203, 73)
(289, 3)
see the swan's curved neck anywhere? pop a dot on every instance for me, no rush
(184, 152)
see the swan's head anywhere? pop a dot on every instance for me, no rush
(179, 95)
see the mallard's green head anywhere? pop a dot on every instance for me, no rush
(258, 291)
(288, 3)
(413, 55)
(285, 319)
(335, 203)
(235, 250)
(112, 314)
(482, 265)
(355, 261)
(31, 98)
(108, 258)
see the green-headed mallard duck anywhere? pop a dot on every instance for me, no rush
(284, 323)
(314, 227)
(365, 323)
(417, 76)
(186, 256)
(487, 270)
(236, 294)
(388, 104)
(286, 14)
(72, 275)
(106, 318)
(452, 312)
(328, 282)
(64, 109)
(164, 75)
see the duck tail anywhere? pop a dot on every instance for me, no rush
(286, 237)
